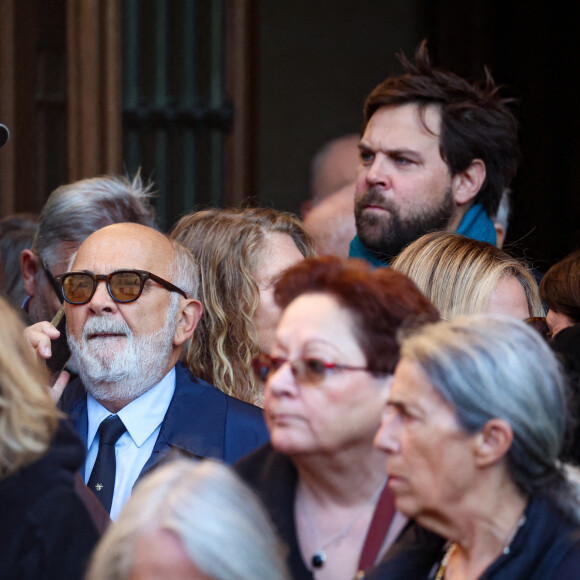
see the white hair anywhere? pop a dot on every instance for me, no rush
(183, 271)
(222, 525)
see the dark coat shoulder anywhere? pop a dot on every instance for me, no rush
(45, 530)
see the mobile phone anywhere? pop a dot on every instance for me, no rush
(60, 349)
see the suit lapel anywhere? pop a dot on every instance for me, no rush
(195, 421)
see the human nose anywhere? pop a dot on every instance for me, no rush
(378, 172)
(101, 301)
(282, 381)
(387, 437)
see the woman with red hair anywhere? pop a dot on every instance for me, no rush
(327, 379)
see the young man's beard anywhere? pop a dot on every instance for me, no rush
(122, 368)
(388, 235)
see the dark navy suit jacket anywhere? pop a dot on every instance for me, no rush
(201, 421)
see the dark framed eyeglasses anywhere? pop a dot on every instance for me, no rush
(307, 371)
(123, 285)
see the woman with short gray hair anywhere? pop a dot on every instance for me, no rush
(472, 431)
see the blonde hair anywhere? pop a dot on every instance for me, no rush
(222, 525)
(228, 246)
(28, 416)
(459, 274)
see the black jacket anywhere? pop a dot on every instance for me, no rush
(46, 531)
(274, 478)
(546, 547)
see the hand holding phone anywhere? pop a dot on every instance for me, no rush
(59, 346)
(48, 339)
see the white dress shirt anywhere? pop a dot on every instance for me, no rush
(142, 418)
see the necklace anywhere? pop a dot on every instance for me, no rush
(319, 557)
(443, 567)
(505, 548)
(508, 541)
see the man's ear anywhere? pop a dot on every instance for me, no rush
(466, 185)
(29, 267)
(493, 442)
(189, 313)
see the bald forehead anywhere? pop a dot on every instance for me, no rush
(125, 246)
(128, 231)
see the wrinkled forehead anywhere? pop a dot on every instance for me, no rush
(113, 248)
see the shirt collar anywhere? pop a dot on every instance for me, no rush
(141, 417)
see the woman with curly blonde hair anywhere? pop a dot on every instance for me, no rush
(240, 254)
(45, 528)
(464, 276)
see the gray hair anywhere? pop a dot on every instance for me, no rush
(74, 211)
(494, 366)
(183, 272)
(221, 523)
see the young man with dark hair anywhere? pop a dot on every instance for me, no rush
(436, 153)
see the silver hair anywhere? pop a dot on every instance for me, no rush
(183, 270)
(221, 523)
(74, 211)
(114, 373)
(494, 366)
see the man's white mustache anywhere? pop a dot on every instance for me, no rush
(105, 325)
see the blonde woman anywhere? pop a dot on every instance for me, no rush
(191, 520)
(45, 529)
(239, 254)
(464, 276)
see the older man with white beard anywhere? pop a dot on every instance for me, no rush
(126, 325)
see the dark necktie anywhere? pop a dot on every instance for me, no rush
(102, 480)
